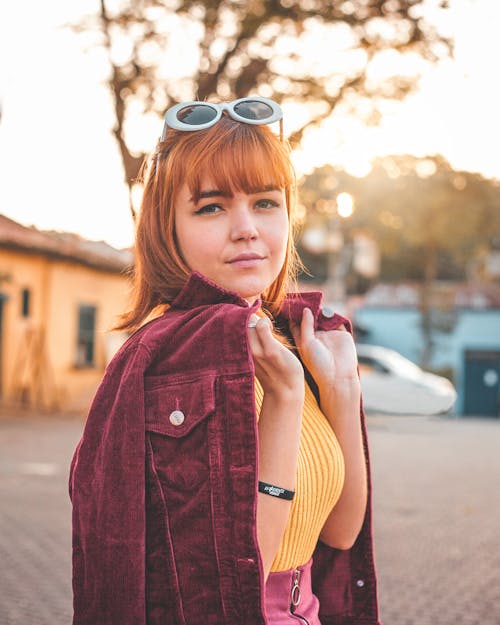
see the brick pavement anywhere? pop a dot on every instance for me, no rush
(35, 576)
(437, 511)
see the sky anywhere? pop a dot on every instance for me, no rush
(59, 164)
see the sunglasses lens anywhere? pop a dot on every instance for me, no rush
(196, 115)
(251, 109)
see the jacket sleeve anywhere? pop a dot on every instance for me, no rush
(107, 492)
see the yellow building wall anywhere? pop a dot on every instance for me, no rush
(50, 376)
(18, 271)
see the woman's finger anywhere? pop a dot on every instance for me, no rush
(264, 324)
(252, 322)
(264, 332)
(307, 327)
(254, 338)
(262, 341)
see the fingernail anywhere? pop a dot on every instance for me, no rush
(254, 320)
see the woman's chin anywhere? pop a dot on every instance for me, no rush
(250, 289)
(247, 287)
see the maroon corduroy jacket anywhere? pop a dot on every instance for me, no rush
(163, 481)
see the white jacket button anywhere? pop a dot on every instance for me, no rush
(328, 312)
(176, 417)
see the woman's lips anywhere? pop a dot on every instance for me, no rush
(246, 260)
(249, 262)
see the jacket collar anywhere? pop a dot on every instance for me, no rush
(295, 303)
(200, 291)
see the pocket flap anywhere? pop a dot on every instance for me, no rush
(175, 409)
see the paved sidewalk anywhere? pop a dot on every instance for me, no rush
(437, 519)
(35, 540)
(437, 513)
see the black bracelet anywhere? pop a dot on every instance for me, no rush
(276, 491)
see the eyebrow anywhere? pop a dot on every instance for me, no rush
(208, 193)
(217, 193)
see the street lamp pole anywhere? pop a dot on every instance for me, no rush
(339, 253)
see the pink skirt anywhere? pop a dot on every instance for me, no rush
(289, 597)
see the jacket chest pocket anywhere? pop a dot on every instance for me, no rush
(174, 410)
(177, 425)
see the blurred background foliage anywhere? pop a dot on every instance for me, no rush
(429, 220)
(424, 221)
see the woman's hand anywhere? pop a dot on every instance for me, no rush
(329, 356)
(278, 370)
(331, 359)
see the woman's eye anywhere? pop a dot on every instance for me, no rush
(266, 204)
(209, 209)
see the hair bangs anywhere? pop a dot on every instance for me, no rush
(239, 158)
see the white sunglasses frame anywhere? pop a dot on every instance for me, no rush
(171, 120)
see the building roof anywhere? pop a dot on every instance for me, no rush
(64, 246)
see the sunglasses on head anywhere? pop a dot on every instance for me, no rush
(191, 116)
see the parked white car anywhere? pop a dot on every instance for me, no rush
(393, 384)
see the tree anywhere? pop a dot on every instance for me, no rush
(418, 210)
(325, 53)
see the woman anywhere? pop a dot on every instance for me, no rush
(222, 474)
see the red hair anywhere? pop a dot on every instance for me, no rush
(237, 157)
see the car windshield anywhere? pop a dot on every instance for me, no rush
(401, 365)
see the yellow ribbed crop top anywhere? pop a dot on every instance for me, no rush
(319, 482)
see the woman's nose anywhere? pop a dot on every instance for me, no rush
(243, 226)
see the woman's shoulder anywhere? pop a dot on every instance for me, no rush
(182, 329)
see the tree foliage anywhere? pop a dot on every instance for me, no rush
(322, 53)
(429, 220)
